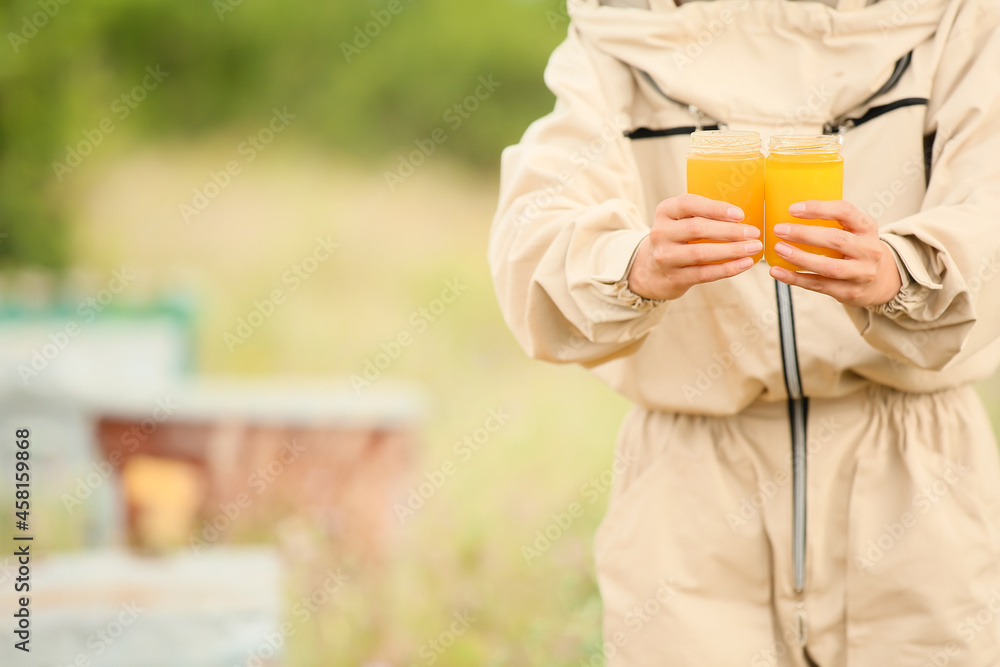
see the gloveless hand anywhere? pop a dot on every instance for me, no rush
(866, 276)
(668, 263)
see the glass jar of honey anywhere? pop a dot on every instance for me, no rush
(728, 165)
(800, 168)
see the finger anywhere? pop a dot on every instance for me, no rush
(697, 229)
(707, 273)
(692, 254)
(838, 269)
(831, 238)
(690, 206)
(847, 214)
(834, 288)
(803, 280)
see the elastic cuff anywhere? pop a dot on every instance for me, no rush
(619, 288)
(917, 283)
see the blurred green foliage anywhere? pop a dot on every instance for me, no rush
(64, 63)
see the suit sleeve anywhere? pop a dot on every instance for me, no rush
(948, 251)
(569, 220)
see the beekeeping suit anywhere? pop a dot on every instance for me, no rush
(696, 558)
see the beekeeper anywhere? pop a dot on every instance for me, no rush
(887, 552)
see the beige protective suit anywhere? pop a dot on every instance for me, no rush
(694, 557)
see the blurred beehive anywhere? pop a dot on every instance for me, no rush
(220, 461)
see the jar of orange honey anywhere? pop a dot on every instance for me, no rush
(728, 165)
(800, 168)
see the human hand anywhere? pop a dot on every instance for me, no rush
(866, 276)
(670, 261)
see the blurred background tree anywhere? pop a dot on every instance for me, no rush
(230, 62)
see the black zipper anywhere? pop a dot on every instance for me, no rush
(798, 410)
(646, 133)
(872, 114)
